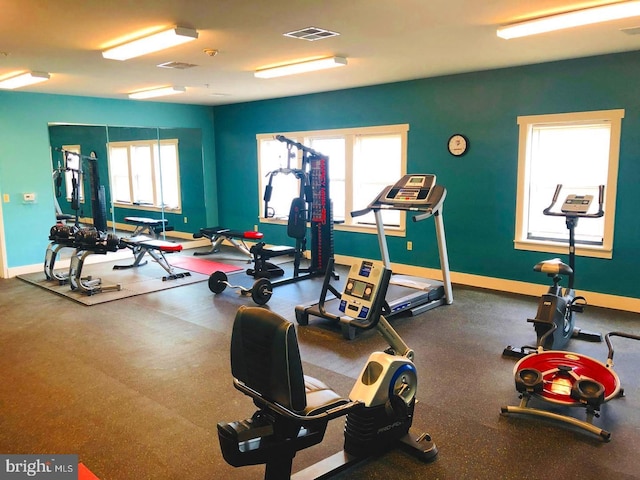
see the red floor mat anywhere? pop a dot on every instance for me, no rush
(202, 265)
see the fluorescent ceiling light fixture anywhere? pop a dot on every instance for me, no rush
(23, 80)
(301, 67)
(577, 18)
(157, 92)
(151, 43)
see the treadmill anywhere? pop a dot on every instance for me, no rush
(420, 195)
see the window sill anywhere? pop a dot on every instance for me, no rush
(147, 208)
(563, 249)
(341, 227)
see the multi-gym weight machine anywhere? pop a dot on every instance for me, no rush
(313, 206)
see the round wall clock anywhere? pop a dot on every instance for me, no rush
(458, 145)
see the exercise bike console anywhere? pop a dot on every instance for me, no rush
(361, 288)
(577, 204)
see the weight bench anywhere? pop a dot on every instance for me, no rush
(297, 229)
(141, 245)
(89, 241)
(150, 226)
(217, 235)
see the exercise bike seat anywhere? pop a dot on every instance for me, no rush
(294, 409)
(555, 266)
(266, 359)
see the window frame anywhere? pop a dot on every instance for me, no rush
(68, 174)
(526, 123)
(350, 135)
(156, 177)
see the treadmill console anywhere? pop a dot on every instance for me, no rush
(361, 288)
(410, 189)
(577, 204)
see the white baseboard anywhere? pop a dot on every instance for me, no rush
(614, 302)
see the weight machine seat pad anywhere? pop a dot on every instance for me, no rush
(228, 233)
(150, 244)
(146, 222)
(554, 266)
(276, 251)
(265, 357)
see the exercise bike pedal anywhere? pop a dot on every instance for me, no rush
(578, 304)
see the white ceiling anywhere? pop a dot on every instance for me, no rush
(384, 41)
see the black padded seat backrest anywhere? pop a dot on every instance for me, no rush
(297, 224)
(265, 357)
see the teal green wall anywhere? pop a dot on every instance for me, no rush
(479, 212)
(25, 158)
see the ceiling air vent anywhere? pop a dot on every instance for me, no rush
(177, 65)
(311, 34)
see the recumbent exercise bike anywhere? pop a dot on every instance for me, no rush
(294, 409)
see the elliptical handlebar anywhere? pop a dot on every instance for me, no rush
(547, 211)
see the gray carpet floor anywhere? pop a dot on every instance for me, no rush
(136, 387)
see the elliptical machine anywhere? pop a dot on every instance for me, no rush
(554, 322)
(294, 409)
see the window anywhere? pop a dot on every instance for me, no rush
(68, 175)
(579, 151)
(145, 174)
(362, 161)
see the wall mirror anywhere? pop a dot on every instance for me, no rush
(103, 174)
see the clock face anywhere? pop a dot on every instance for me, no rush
(458, 145)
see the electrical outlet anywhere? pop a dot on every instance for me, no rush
(6, 198)
(185, 220)
(409, 245)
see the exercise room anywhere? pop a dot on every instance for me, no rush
(354, 240)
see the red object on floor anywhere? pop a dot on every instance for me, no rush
(202, 265)
(85, 474)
